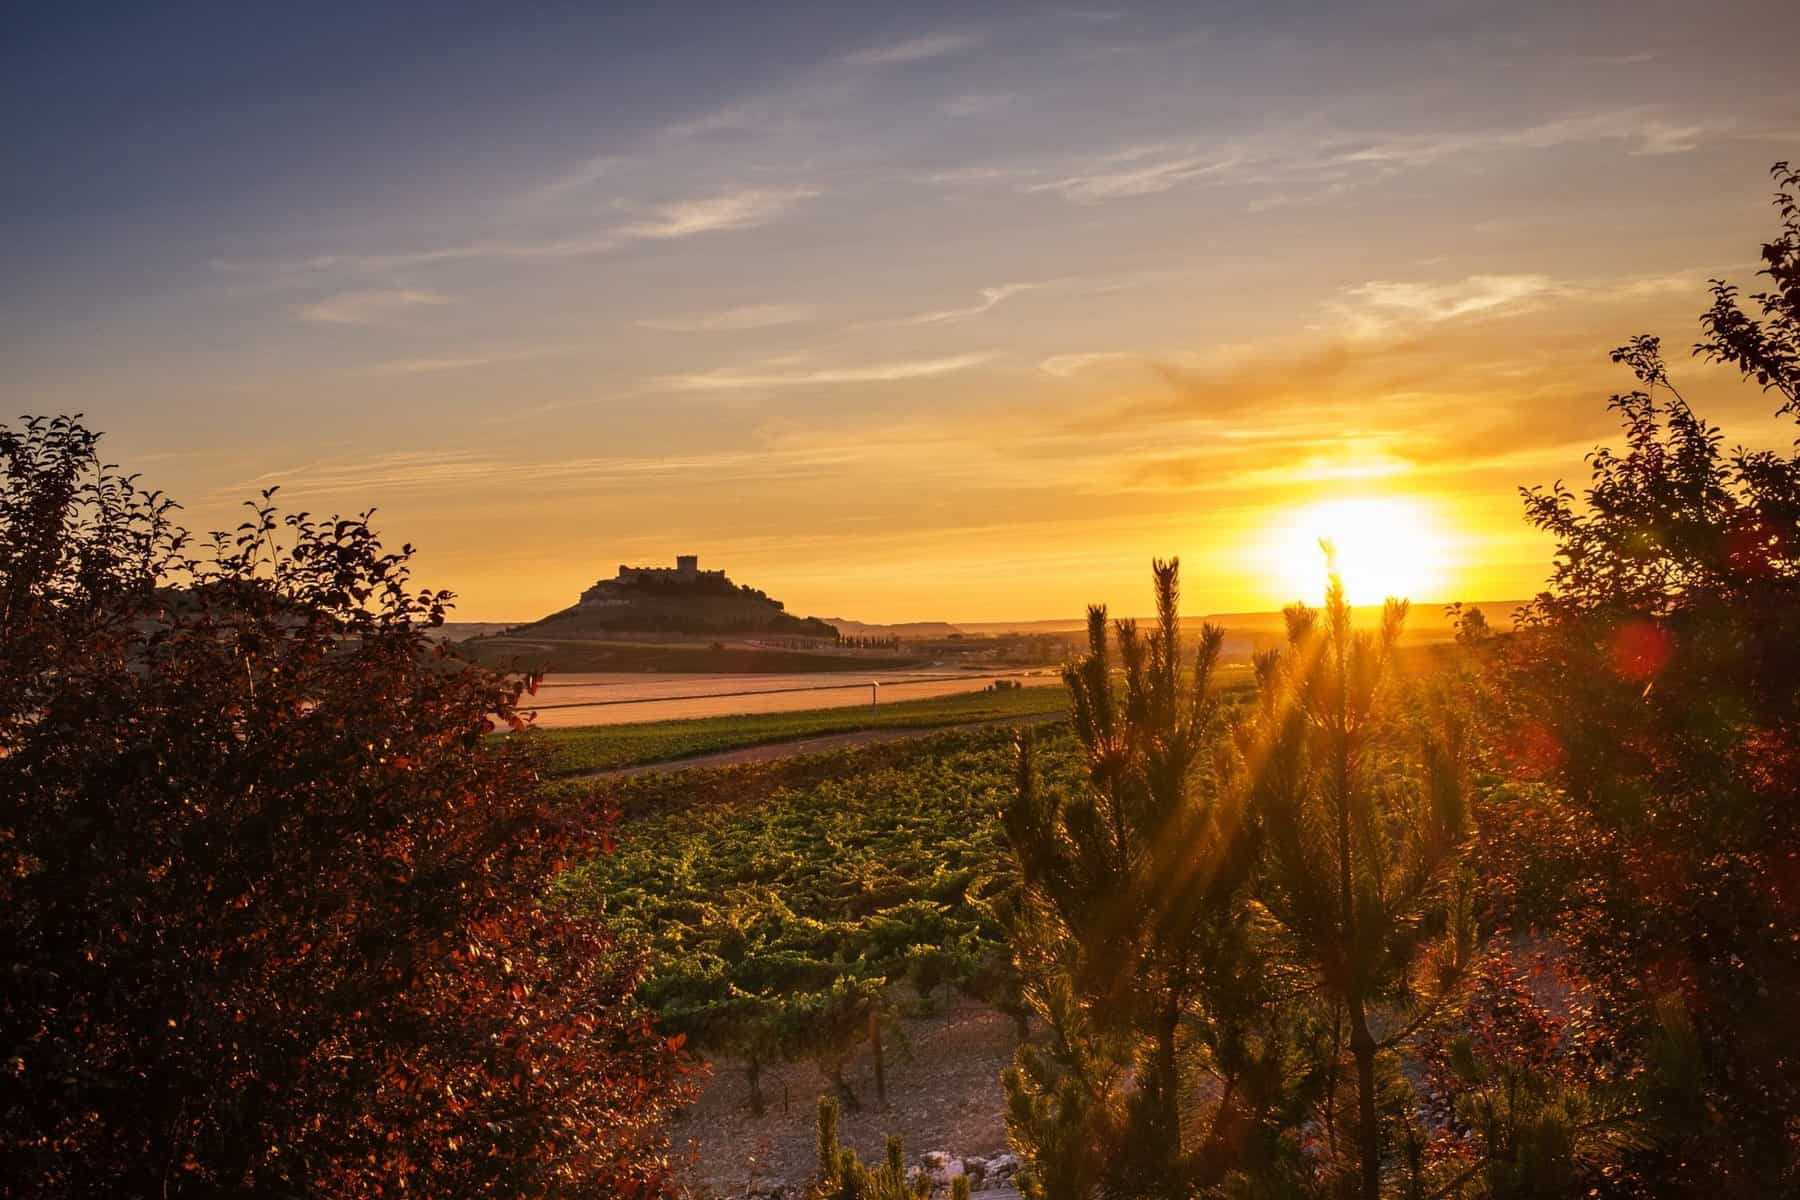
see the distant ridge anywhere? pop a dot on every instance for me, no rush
(903, 629)
(1424, 615)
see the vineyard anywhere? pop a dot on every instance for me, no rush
(792, 910)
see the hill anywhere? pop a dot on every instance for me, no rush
(696, 615)
(676, 618)
(676, 600)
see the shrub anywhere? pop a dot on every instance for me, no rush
(1652, 685)
(269, 899)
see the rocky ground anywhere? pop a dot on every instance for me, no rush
(944, 1099)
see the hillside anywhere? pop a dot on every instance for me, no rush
(741, 611)
(680, 600)
(677, 618)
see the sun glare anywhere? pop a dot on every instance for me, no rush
(1386, 546)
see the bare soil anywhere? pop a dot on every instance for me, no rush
(943, 1091)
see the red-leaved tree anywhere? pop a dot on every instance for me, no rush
(271, 916)
(1654, 685)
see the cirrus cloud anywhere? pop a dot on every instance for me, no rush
(367, 307)
(770, 376)
(913, 50)
(730, 320)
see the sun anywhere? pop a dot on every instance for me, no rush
(1386, 546)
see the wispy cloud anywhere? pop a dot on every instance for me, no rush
(569, 247)
(1640, 131)
(977, 175)
(990, 297)
(768, 376)
(1336, 160)
(1137, 171)
(583, 174)
(714, 212)
(1382, 305)
(1378, 305)
(459, 470)
(1065, 366)
(742, 208)
(731, 320)
(976, 104)
(367, 307)
(459, 362)
(913, 50)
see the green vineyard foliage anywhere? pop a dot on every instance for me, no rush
(782, 911)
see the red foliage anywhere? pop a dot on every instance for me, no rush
(271, 904)
(1641, 649)
(1661, 666)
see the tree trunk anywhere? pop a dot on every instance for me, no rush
(1168, 1088)
(753, 1072)
(1331, 1078)
(880, 1062)
(1368, 1131)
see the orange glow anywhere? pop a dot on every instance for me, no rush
(1386, 546)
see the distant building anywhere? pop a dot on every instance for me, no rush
(686, 570)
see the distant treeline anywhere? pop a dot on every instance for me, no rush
(865, 642)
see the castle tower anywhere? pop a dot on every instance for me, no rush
(687, 565)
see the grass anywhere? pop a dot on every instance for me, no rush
(603, 747)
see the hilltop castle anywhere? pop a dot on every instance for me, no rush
(686, 570)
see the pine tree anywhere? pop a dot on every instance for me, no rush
(1361, 850)
(842, 1175)
(1135, 939)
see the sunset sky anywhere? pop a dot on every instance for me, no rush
(899, 312)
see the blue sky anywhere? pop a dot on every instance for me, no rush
(898, 311)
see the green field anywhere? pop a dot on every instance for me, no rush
(603, 747)
(779, 902)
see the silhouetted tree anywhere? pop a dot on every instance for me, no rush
(270, 916)
(1653, 684)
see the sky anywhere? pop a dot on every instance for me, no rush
(899, 312)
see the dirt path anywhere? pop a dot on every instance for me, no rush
(944, 1093)
(819, 744)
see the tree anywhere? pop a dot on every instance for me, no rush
(1136, 942)
(1652, 688)
(270, 900)
(842, 1175)
(1361, 850)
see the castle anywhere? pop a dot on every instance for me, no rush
(686, 570)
